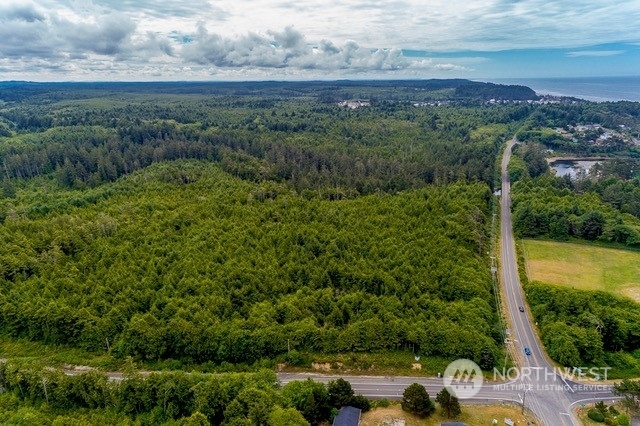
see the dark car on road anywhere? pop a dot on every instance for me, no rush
(527, 351)
(521, 308)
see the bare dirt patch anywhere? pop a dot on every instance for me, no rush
(322, 366)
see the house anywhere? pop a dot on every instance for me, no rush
(347, 416)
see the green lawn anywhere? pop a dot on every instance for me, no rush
(584, 267)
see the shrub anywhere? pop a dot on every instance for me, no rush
(382, 403)
(596, 415)
(623, 419)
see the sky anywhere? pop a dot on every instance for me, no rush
(148, 40)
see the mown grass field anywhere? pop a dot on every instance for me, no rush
(584, 267)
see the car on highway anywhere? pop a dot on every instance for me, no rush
(521, 308)
(527, 351)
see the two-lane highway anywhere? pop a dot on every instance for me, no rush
(545, 395)
(550, 394)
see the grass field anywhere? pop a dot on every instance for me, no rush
(584, 267)
(471, 415)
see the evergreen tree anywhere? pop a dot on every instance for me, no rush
(415, 399)
(340, 393)
(449, 403)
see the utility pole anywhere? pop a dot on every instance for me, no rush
(523, 397)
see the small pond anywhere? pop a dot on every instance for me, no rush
(573, 168)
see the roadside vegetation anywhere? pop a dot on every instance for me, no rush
(583, 287)
(471, 415)
(48, 396)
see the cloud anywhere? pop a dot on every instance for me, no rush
(105, 37)
(304, 37)
(287, 48)
(594, 53)
(20, 12)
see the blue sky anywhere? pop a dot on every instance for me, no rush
(133, 40)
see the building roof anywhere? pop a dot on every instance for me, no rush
(347, 416)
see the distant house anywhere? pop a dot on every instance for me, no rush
(354, 104)
(347, 416)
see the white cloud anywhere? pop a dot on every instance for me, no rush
(302, 37)
(594, 53)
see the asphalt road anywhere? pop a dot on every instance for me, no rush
(548, 394)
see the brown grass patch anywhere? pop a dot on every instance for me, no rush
(471, 415)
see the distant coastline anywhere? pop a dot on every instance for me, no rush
(597, 89)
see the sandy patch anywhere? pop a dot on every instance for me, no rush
(632, 292)
(322, 366)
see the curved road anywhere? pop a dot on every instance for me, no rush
(551, 396)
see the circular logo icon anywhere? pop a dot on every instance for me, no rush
(463, 378)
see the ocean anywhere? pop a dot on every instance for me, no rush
(597, 89)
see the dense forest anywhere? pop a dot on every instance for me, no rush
(248, 224)
(603, 206)
(388, 146)
(234, 223)
(182, 260)
(585, 328)
(550, 207)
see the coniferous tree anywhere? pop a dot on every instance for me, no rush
(415, 399)
(449, 403)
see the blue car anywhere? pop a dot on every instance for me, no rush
(527, 351)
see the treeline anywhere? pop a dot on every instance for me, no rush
(32, 395)
(389, 146)
(550, 207)
(183, 261)
(487, 91)
(528, 161)
(586, 328)
(330, 91)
